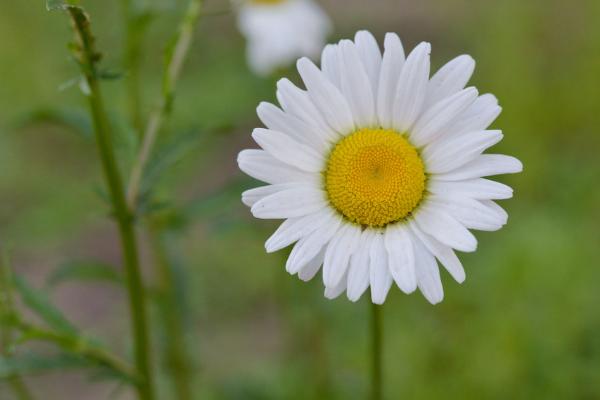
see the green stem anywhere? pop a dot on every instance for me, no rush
(87, 57)
(134, 34)
(175, 60)
(376, 344)
(178, 360)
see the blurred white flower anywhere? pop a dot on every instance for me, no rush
(378, 169)
(280, 31)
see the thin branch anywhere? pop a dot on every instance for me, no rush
(85, 53)
(6, 331)
(76, 345)
(174, 63)
(135, 28)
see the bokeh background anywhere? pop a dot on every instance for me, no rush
(524, 325)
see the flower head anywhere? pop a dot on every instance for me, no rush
(378, 169)
(280, 31)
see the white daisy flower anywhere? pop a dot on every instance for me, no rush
(280, 31)
(378, 169)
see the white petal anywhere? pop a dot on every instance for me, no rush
(331, 292)
(330, 64)
(443, 253)
(294, 229)
(356, 86)
(449, 79)
(478, 188)
(391, 66)
(484, 165)
(289, 151)
(428, 274)
(455, 152)
(309, 246)
(309, 271)
(251, 196)
(494, 208)
(412, 88)
(439, 224)
(401, 259)
(379, 273)
(358, 273)
(295, 202)
(327, 98)
(435, 121)
(478, 116)
(338, 254)
(471, 213)
(297, 102)
(371, 57)
(277, 120)
(262, 166)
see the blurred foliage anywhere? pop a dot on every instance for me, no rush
(523, 326)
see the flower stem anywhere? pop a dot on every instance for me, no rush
(376, 344)
(172, 314)
(175, 59)
(88, 57)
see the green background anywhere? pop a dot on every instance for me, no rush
(524, 325)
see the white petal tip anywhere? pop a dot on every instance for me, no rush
(353, 298)
(435, 301)
(377, 300)
(518, 166)
(407, 289)
(270, 248)
(425, 46)
(247, 202)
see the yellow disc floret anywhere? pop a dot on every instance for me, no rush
(374, 177)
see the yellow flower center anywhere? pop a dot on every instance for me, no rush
(374, 177)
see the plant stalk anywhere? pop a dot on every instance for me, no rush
(88, 58)
(172, 314)
(376, 345)
(174, 63)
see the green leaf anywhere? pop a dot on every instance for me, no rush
(39, 303)
(60, 5)
(89, 271)
(166, 156)
(30, 363)
(109, 75)
(76, 120)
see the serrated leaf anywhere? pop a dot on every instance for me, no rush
(88, 271)
(38, 302)
(26, 364)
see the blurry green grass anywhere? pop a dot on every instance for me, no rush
(523, 326)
